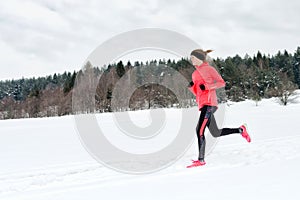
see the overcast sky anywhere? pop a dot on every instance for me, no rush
(41, 37)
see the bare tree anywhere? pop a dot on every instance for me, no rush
(285, 90)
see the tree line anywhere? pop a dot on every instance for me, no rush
(249, 77)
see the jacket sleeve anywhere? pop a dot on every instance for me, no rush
(216, 80)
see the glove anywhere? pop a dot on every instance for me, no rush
(191, 84)
(202, 87)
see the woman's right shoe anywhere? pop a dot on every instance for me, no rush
(245, 134)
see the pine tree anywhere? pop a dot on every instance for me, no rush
(259, 60)
(55, 79)
(296, 66)
(120, 69)
(68, 83)
(17, 93)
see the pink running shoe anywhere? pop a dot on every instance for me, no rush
(196, 163)
(245, 133)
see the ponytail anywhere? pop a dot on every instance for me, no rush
(208, 51)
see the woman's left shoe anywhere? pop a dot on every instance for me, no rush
(196, 163)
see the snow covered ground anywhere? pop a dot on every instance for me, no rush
(44, 159)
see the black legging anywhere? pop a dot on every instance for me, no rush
(207, 119)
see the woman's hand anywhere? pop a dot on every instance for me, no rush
(202, 87)
(191, 84)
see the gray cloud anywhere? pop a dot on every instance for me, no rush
(42, 37)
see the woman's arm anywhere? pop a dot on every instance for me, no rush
(216, 81)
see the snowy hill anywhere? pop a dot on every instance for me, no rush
(44, 159)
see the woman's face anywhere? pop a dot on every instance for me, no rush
(195, 61)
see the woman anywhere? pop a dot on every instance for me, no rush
(205, 82)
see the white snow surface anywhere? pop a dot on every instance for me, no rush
(43, 159)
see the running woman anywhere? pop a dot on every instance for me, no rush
(205, 81)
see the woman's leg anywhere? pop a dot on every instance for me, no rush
(216, 132)
(202, 123)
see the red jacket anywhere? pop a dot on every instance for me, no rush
(211, 79)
